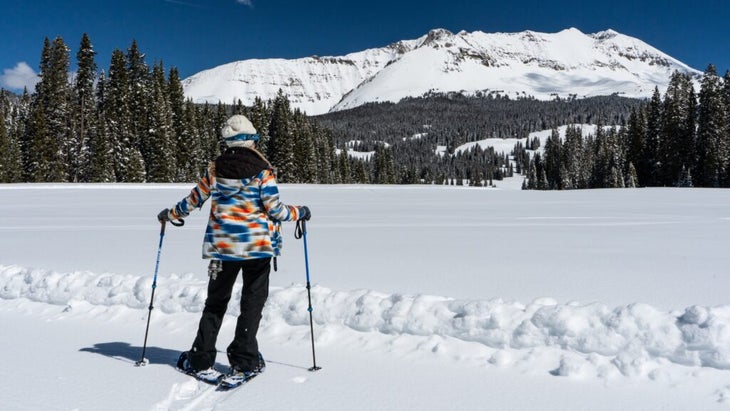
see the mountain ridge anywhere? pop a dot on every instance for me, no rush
(568, 63)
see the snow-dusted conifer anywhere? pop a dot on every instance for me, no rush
(160, 150)
(128, 161)
(139, 84)
(305, 156)
(636, 145)
(258, 114)
(48, 133)
(677, 141)
(4, 145)
(712, 132)
(84, 124)
(100, 166)
(654, 121)
(281, 141)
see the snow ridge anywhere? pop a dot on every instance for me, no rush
(632, 340)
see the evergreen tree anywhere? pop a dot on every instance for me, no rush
(654, 119)
(186, 142)
(343, 161)
(601, 173)
(41, 149)
(196, 140)
(631, 177)
(48, 133)
(726, 100)
(726, 93)
(11, 165)
(712, 133)
(45, 66)
(84, 112)
(208, 124)
(360, 172)
(281, 141)
(323, 159)
(677, 142)
(160, 158)
(330, 150)
(573, 159)
(305, 156)
(219, 118)
(688, 144)
(128, 161)
(381, 170)
(4, 147)
(139, 105)
(100, 166)
(542, 183)
(21, 136)
(553, 159)
(531, 176)
(258, 114)
(637, 144)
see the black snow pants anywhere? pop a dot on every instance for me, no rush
(243, 351)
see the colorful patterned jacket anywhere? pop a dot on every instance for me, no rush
(245, 211)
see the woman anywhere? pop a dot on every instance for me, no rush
(243, 234)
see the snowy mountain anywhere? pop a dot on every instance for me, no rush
(529, 63)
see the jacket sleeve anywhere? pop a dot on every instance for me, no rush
(198, 195)
(277, 210)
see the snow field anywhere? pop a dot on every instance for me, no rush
(424, 297)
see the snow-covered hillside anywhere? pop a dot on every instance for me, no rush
(424, 298)
(507, 145)
(529, 63)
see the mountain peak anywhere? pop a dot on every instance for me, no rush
(436, 36)
(605, 34)
(572, 30)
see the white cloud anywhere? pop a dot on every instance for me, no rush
(249, 3)
(19, 77)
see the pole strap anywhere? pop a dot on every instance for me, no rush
(301, 229)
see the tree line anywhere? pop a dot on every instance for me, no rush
(680, 139)
(132, 123)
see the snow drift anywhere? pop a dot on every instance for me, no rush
(633, 340)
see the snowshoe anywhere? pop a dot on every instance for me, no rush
(210, 376)
(236, 378)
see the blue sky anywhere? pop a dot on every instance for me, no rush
(194, 35)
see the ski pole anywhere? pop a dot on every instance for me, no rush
(143, 361)
(301, 232)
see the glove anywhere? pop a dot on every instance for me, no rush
(164, 215)
(304, 213)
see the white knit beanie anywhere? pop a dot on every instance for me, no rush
(238, 131)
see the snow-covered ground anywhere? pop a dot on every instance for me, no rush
(424, 298)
